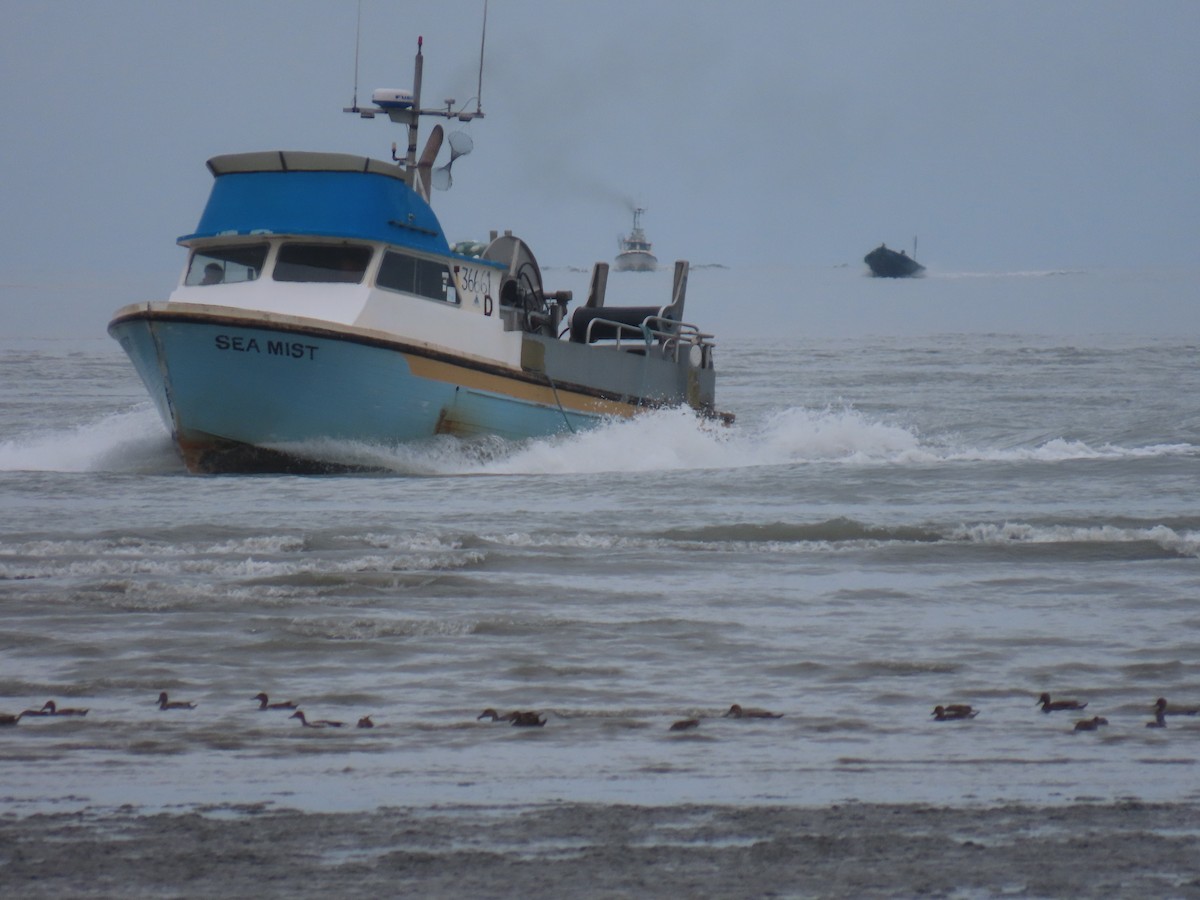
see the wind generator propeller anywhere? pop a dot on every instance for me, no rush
(460, 145)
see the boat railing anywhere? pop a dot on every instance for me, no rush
(669, 333)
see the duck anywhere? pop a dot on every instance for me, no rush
(529, 719)
(365, 722)
(1160, 721)
(1092, 724)
(164, 703)
(10, 719)
(263, 703)
(684, 725)
(51, 709)
(493, 716)
(1049, 705)
(953, 712)
(738, 712)
(316, 723)
(1161, 709)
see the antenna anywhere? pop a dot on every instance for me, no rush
(357, 39)
(482, 41)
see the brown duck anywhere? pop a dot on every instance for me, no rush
(315, 723)
(529, 719)
(52, 709)
(1049, 705)
(954, 712)
(750, 712)
(492, 716)
(1092, 724)
(264, 703)
(164, 703)
(1162, 708)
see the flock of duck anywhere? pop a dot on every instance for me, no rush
(950, 712)
(50, 708)
(958, 711)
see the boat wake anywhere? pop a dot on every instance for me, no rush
(131, 441)
(665, 440)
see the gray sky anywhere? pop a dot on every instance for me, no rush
(1008, 135)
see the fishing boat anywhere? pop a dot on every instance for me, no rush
(887, 263)
(321, 306)
(635, 255)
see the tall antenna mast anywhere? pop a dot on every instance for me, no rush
(357, 39)
(404, 108)
(482, 41)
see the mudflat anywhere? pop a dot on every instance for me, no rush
(606, 851)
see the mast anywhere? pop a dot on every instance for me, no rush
(414, 115)
(408, 112)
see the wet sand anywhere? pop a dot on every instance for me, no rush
(607, 851)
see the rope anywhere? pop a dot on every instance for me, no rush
(554, 387)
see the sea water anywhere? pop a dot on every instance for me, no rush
(960, 490)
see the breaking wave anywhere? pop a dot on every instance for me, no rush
(664, 440)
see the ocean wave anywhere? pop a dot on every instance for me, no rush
(253, 558)
(1166, 539)
(127, 441)
(661, 440)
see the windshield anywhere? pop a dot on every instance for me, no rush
(322, 262)
(226, 265)
(400, 272)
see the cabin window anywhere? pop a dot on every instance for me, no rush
(226, 265)
(412, 275)
(328, 263)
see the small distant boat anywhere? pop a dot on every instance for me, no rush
(888, 263)
(635, 255)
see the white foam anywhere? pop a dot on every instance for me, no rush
(1183, 543)
(128, 441)
(658, 441)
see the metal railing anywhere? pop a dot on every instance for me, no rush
(670, 334)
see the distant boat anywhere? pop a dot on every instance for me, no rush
(635, 255)
(886, 263)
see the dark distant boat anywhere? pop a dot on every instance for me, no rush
(886, 263)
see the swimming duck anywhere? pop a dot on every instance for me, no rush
(316, 723)
(738, 712)
(953, 712)
(164, 703)
(1160, 721)
(493, 716)
(1049, 705)
(365, 722)
(51, 709)
(1091, 724)
(10, 719)
(684, 725)
(264, 704)
(527, 719)
(1161, 709)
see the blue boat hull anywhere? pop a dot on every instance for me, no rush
(240, 397)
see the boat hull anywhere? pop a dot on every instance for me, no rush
(636, 261)
(887, 263)
(240, 394)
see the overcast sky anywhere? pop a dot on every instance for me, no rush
(1008, 135)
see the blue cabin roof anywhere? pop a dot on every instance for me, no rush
(319, 194)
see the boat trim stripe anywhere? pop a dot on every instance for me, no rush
(430, 362)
